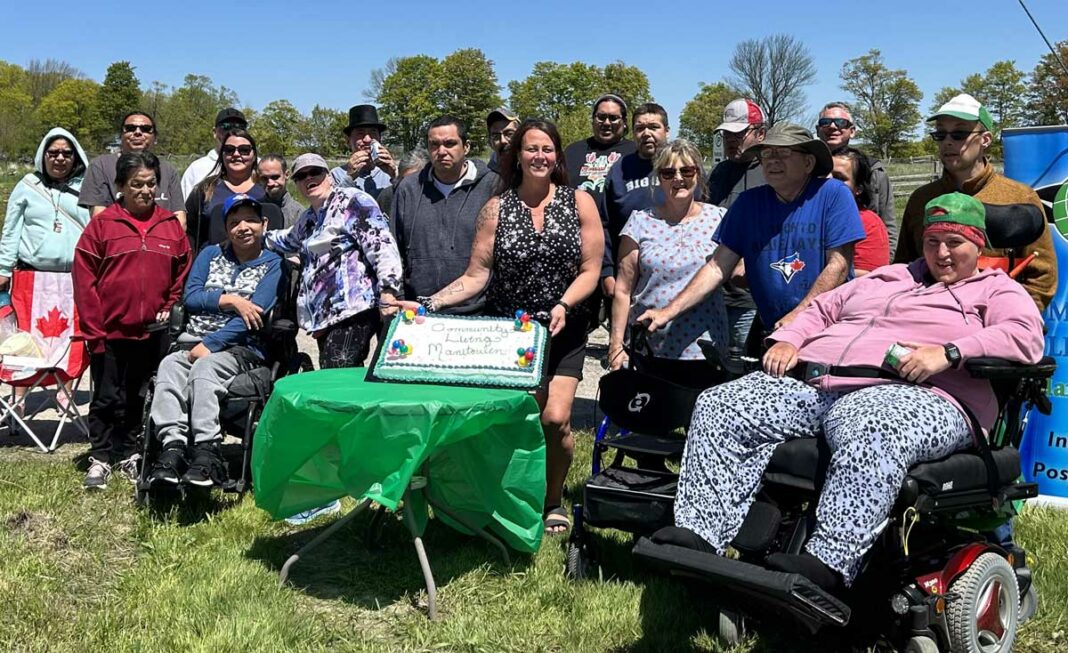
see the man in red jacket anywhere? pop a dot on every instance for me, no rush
(129, 269)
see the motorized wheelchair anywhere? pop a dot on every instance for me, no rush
(647, 407)
(246, 396)
(935, 579)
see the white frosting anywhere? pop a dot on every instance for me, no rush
(476, 348)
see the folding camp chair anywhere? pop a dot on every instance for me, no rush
(43, 303)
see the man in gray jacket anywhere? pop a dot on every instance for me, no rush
(835, 127)
(434, 212)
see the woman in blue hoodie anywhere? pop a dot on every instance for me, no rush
(44, 221)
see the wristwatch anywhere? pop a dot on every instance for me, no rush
(952, 354)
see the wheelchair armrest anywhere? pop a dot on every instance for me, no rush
(1000, 368)
(279, 330)
(734, 367)
(176, 321)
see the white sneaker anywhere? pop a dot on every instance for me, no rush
(302, 518)
(97, 476)
(130, 467)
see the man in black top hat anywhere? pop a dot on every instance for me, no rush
(371, 167)
(227, 119)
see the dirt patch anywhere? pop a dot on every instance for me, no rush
(38, 529)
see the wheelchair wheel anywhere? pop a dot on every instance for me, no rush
(1029, 603)
(732, 628)
(578, 565)
(984, 616)
(921, 645)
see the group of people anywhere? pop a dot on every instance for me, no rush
(789, 236)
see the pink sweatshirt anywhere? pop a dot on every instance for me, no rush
(988, 314)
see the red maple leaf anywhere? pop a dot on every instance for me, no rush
(798, 265)
(54, 325)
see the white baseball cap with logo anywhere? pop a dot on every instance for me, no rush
(741, 114)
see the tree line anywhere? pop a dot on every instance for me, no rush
(409, 91)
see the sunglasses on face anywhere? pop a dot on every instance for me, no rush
(687, 172)
(144, 129)
(243, 150)
(227, 126)
(840, 123)
(307, 174)
(55, 154)
(608, 117)
(957, 135)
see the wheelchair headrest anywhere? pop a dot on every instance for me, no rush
(1009, 226)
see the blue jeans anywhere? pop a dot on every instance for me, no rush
(739, 321)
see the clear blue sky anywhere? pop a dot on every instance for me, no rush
(323, 52)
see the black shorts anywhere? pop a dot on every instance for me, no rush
(567, 349)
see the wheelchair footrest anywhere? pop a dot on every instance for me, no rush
(647, 445)
(755, 589)
(631, 500)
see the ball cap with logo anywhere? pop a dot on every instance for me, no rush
(965, 107)
(959, 214)
(741, 114)
(236, 201)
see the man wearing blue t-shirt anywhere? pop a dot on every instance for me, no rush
(795, 235)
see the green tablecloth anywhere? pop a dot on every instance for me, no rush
(330, 433)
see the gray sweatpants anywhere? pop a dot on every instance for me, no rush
(190, 393)
(875, 434)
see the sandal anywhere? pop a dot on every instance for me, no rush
(557, 521)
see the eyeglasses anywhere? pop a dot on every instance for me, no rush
(608, 117)
(780, 153)
(144, 129)
(227, 126)
(243, 150)
(687, 172)
(840, 123)
(305, 174)
(55, 154)
(957, 135)
(506, 134)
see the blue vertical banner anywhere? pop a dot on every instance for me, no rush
(1038, 157)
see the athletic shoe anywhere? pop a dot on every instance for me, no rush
(171, 464)
(97, 476)
(130, 468)
(206, 468)
(302, 518)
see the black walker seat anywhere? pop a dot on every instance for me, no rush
(934, 494)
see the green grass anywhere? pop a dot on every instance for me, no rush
(92, 572)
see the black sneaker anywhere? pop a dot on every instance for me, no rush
(207, 467)
(171, 464)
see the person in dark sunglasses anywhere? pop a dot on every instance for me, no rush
(234, 173)
(137, 133)
(836, 127)
(226, 120)
(963, 130)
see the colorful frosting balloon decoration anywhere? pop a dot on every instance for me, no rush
(522, 321)
(525, 357)
(399, 349)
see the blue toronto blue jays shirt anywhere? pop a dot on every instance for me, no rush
(784, 245)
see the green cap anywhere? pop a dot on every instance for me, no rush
(956, 208)
(965, 107)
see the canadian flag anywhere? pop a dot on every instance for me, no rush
(44, 306)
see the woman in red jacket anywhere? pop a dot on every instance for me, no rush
(129, 269)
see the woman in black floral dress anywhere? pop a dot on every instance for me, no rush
(538, 247)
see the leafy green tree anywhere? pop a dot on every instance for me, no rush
(43, 76)
(408, 98)
(468, 89)
(1047, 97)
(72, 104)
(119, 94)
(628, 82)
(16, 128)
(278, 128)
(186, 118)
(887, 101)
(702, 113)
(773, 72)
(324, 132)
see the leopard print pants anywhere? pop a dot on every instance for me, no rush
(875, 435)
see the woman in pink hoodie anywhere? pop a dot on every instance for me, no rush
(944, 310)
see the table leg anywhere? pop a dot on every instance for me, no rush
(424, 563)
(481, 532)
(284, 574)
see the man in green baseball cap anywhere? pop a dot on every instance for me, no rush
(963, 131)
